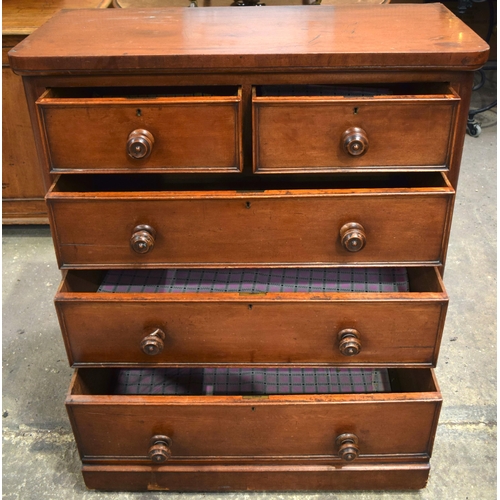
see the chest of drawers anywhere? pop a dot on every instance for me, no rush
(251, 209)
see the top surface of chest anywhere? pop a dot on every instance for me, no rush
(152, 40)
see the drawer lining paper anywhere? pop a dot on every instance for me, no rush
(241, 381)
(255, 280)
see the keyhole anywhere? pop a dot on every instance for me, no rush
(355, 111)
(250, 306)
(248, 204)
(138, 112)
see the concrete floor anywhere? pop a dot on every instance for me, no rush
(40, 460)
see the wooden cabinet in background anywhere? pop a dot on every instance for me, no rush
(23, 182)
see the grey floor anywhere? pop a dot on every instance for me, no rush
(40, 460)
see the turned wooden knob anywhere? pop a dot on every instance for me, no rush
(349, 343)
(159, 450)
(153, 344)
(143, 238)
(347, 445)
(140, 144)
(355, 141)
(352, 236)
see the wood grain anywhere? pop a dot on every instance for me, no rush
(234, 427)
(22, 183)
(275, 37)
(405, 476)
(194, 134)
(306, 134)
(395, 329)
(238, 228)
(23, 187)
(22, 18)
(392, 333)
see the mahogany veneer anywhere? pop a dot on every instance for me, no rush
(279, 137)
(250, 227)
(398, 328)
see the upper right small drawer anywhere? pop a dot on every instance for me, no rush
(327, 128)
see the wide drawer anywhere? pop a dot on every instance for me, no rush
(142, 129)
(376, 317)
(119, 422)
(328, 128)
(125, 221)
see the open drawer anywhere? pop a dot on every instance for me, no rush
(342, 317)
(392, 419)
(324, 128)
(157, 221)
(143, 129)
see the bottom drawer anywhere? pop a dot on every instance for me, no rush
(326, 417)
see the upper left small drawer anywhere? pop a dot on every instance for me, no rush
(108, 130)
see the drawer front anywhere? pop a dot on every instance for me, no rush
(335, 134)
(232, 428)
(355, 333)
(174, 134)
(249, 229)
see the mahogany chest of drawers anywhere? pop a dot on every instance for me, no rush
(251, 209)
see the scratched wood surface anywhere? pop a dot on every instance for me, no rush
(393, 36)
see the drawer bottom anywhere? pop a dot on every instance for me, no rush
(250, 381)
(408, 476)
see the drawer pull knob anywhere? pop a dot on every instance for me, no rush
(143, 239)
(347, 445)
(349, 343)
(353, 236)
(355, 141)
(152, 344)
(159, 450)
(140, 144)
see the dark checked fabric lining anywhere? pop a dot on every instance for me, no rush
(241, 381)
(320, 90)
(256, 280)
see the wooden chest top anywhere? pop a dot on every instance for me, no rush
(160, 40)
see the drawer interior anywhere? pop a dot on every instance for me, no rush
(140, 92)
(251, 381)
(371, 90)
(255, 281)
(247, 183)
